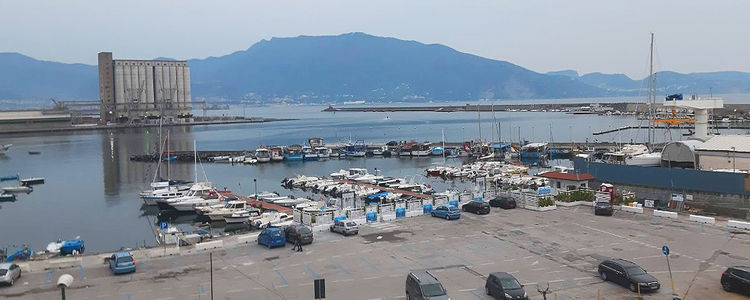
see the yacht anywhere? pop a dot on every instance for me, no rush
(197, 191)
(534, 150)
(218, 214)
(241, 216)
(289, 202)
(263, 155)
(271, 217)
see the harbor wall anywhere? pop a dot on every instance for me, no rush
(723, 193)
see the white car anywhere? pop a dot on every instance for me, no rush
(345, 227)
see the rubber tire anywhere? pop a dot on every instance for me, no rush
(12, 281)
(331, 228)
(408, 297)
(603, 276)
(433, 214)
(727, 286)
(487, 291)
(633, 288)
(447, 217)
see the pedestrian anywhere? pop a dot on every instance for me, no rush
(297, 242)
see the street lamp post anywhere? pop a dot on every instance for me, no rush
(63, 282)
(255, 182)
(734, 159)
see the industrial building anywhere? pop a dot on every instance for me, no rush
(134, 91)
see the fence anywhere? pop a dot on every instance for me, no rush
(415, 207)
(386, 212)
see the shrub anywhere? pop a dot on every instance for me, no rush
(575, 195)
(546, 201)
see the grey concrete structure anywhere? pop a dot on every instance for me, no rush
(133, 90)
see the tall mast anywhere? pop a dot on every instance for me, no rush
(443, 132)
(195, 161)
(479, 123)
(168, 156)
(651, 99)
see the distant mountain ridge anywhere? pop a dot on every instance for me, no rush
(667, 82)
(357, 66)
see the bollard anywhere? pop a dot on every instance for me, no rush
(655, 221)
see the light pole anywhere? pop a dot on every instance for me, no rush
(255, 182)
(63, 282)
(734, 159)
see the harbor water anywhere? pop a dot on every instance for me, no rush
(92, 187)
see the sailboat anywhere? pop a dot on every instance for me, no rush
(650, 158)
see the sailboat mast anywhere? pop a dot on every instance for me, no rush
(195, 161)
(479, 123)
(168, 155)
(443, 134)
(651, 101)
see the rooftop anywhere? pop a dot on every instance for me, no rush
(726, 143)
(567, 176)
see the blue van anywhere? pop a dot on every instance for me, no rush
(272, 237)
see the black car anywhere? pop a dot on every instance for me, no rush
(422, 285)
(603, 208)
(627, 274)
(736, 279)
(306, 235)
(501, 285)
(503, 202)
(477, 207)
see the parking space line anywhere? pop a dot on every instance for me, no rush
(281, 277)
(373, 267)
(467, 290)
(310, 272)
(341, 268)
(48, 277)
(83, 275)
(474, 293)
(487, 264)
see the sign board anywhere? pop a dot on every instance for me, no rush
(163, 225)
(320, 288)
(648, 203)
(677, 197)
(347, 199)
(543, 191)
(665, 250)
(688, 197)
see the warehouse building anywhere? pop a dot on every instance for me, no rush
(134, 91)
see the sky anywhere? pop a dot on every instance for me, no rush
(608, 36)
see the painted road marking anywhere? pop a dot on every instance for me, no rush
(281, 277)
(48, 277)
(474, 293)
(371, 265)
(310, 272)
(83, 275)
(341, 268)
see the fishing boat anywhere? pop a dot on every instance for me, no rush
(32, 181)
(419, 150)
(405, 149)
(534, 151)
(323, 152)
(293, 153)
(17, 189)
(356, 150)
(309, 154)
(263, 155)
(7, 197)
(277, 153)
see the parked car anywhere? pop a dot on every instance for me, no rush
(503, 202)
(446, 211)
(121, 263)
(423, 285)
(603, 207)
(345, 227)
(272, 237)
(501, 285)
(306, 235)
(627, 274)
(734, 279)
(9, 272)
(477, 207)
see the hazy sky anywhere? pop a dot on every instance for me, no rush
(588, 36)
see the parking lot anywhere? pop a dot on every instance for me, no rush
(561, 248)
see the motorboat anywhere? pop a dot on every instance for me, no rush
(263, 195)
(17, 189)
(249, 160)
(323, 152)
(271, 217)
(222, 158)
(645, 160)
(4, 148)
(340, 174)
(199, 190)
(162, 190)
(7, 197)
(237, 159)
(437, 151)
(9, 177)
(193, 204)
(289, 202)
(277, 153)
(356, 150)
(263, 155)
(32, 181)
(241, 216)
(227, 210)
(533, 151)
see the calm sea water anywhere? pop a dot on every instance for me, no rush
(92, 186)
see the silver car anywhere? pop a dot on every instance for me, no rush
(345, 227)
(9, 273)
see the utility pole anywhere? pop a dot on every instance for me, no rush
(651, 97)
(211, 267)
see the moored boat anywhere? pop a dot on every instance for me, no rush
(32, 181)
(17, 189)
(263, 155)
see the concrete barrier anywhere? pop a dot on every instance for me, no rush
(248, 238)
(637, 210)
(702, 219)
(209, 245)
(665, 214)
(738, 224)
(65, 262)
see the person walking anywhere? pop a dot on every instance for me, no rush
(298, 242)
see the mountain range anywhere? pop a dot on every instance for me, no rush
(357, 66)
